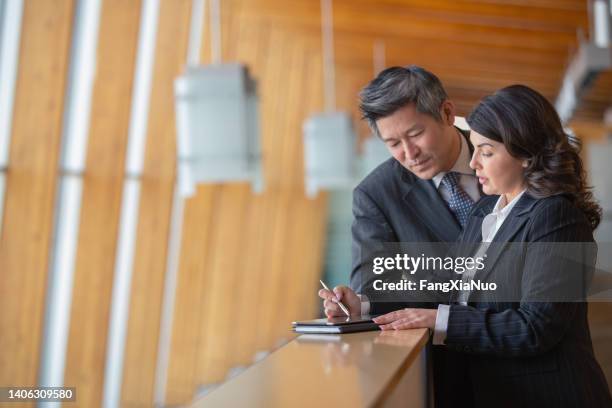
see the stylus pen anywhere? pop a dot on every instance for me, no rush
(344, 309)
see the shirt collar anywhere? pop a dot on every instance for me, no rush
(462, 165)
(503, 212)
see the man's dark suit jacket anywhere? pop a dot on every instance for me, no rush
(529, 354)
(393, 205)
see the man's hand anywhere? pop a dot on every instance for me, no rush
(407, 319)
(340, 294)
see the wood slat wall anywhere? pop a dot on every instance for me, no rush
(226, 219)
(31, 185)
(273, 242)
(155, 208)
(101, 201)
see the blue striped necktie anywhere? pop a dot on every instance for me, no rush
(459, 201)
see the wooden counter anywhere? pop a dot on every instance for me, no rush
(354, 370)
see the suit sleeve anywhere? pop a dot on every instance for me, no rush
(370, 232)
(370, 229)
(535, 326)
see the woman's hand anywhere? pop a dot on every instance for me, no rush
(407, 319)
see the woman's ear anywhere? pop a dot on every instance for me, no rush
(525, 163)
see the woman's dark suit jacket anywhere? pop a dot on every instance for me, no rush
(528, 353)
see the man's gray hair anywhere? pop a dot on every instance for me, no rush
(397, 87)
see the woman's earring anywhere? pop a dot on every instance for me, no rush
(525, 164)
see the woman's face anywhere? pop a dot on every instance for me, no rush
(497, 171)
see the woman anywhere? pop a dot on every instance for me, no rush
(527, 352)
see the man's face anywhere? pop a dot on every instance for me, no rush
(419, 142)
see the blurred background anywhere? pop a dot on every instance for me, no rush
(113, 283)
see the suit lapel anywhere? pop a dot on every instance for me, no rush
(508, 230)
(425, 201)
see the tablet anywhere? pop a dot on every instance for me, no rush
(336, 325)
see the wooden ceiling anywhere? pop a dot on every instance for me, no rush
(596, 99)
(474, 46)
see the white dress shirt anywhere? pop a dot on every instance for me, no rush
(490, 225)
(467, 181)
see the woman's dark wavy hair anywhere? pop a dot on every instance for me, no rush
(530, 128)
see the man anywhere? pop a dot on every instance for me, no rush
(422, 194)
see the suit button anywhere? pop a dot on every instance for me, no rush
(467, 349)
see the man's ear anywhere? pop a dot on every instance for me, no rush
(447, 111)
